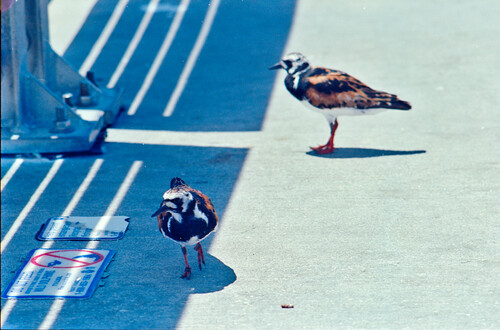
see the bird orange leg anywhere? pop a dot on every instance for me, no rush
(187, 271)
(201, 257)
(328, 147)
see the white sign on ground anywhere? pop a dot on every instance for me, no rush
(52, 273)
(84, 228)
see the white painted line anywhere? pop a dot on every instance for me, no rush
(103, 38)
(6, 310)
(165, 46)
(57, 305)
(78, 194)
(133, 43)
(125, 186)
(9, 306)
(197, 139)
(193, 57)
(83, 187)
(52, 314)
(10, 173)
(117, 200)
(34, 198)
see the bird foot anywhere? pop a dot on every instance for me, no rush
(201, 257)
(187, 273)
(324, 149)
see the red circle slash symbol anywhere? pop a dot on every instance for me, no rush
(67, 259)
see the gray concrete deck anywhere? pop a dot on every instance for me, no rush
(399, 228)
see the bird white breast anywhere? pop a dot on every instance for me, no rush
(336, 112)
(193, 240)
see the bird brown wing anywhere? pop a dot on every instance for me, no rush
(327, 88)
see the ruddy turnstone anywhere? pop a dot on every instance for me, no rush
(333, 93)
(186, 216)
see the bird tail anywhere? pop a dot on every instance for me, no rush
(399, 105)
(390, 101)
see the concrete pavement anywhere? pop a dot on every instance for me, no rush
(398, 228)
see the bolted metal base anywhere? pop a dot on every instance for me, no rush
(47, 106)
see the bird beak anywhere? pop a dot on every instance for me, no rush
(276, 66)
(162, 209)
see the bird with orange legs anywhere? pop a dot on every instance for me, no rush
(333, 93)
(186, 216)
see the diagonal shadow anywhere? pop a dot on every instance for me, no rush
(228, 91)
(365, 153)
(154, 281)
(145, 273)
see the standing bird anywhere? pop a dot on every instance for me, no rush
(186, 216)
(333, 93)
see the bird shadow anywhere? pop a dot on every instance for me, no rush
(364, 153)
(214, 276)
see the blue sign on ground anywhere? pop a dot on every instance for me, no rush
(84, 228)
(56, 273)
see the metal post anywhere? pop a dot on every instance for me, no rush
(47, 107)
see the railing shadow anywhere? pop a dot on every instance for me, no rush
(230, 85)
(228, 90)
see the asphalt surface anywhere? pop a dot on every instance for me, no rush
(399, 228)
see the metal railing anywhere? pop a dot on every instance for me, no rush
(47, 106)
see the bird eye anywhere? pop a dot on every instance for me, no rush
(288, 63)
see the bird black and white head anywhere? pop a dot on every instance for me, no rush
(292, 63)
(175, 199)
(176, 182)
